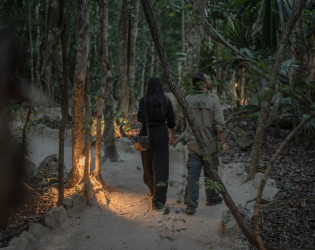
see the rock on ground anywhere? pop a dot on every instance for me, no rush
(55, 217)
(74, 203)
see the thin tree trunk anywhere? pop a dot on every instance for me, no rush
(64, 103)
(152, 61)
(188, 114)
(133, 25)
(31, 41)
(143, 71)
(37, 67)
(87, 130)
(78, 91)
(110, 150)
(100, 100)
(194, 40)
(266, 174)
(123, 87)
(268, 96)
(49, 39)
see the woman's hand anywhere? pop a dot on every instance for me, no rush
(171, 140)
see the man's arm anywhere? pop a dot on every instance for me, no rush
(223, 146)
(219, 125)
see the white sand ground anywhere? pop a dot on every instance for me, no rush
(126, 220)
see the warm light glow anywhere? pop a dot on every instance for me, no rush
(235, 85)
(82, 161)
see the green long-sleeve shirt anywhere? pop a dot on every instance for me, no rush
(209, 117)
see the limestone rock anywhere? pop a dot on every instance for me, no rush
(74, 203)
(25, 241)
(229, 226)
(47, 172)
(55, 217)
(240, 168)
(269, 194)
(30, 168)
(258, 178)
(241, 244)
(38, 230)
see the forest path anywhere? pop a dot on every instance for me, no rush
(125, 220)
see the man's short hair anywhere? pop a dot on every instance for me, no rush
(198, 79)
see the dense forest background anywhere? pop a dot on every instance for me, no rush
(93, 58)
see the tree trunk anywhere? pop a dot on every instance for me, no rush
(78, 91)
(64, 103)
(194, 40)
(31, 41)
(87, 130)
(37, 67)
(268, 96)
(133, 31)
(188, 114)
(143, 71)
(100, 100)
(110, 150)
(123, 87)
(49, 39)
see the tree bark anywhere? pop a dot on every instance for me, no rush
(110, 150)
(143, 71)
(31, 41)
(49, 39)
(266, 104)
(78, 91)
(37, 67)
(188, 114)
(266, 174)
(100, 100)
(64, 103)
(87, 130)
(123, 87)
(133, 31)
(194, 40)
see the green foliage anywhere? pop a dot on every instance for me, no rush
(309, 127)
(213, 185)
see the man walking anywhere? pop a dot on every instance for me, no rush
(209, 117)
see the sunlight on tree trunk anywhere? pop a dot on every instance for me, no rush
(64, 105)
(78, 91)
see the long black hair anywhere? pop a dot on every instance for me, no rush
(155, 98)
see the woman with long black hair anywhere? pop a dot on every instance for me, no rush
(159, 110)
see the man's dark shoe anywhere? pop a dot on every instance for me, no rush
(157, 206)
(214, 202)
(190, 210)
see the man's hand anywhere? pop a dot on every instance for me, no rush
(223, 148)
(171, 140)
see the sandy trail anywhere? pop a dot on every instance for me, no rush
(125, 220)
